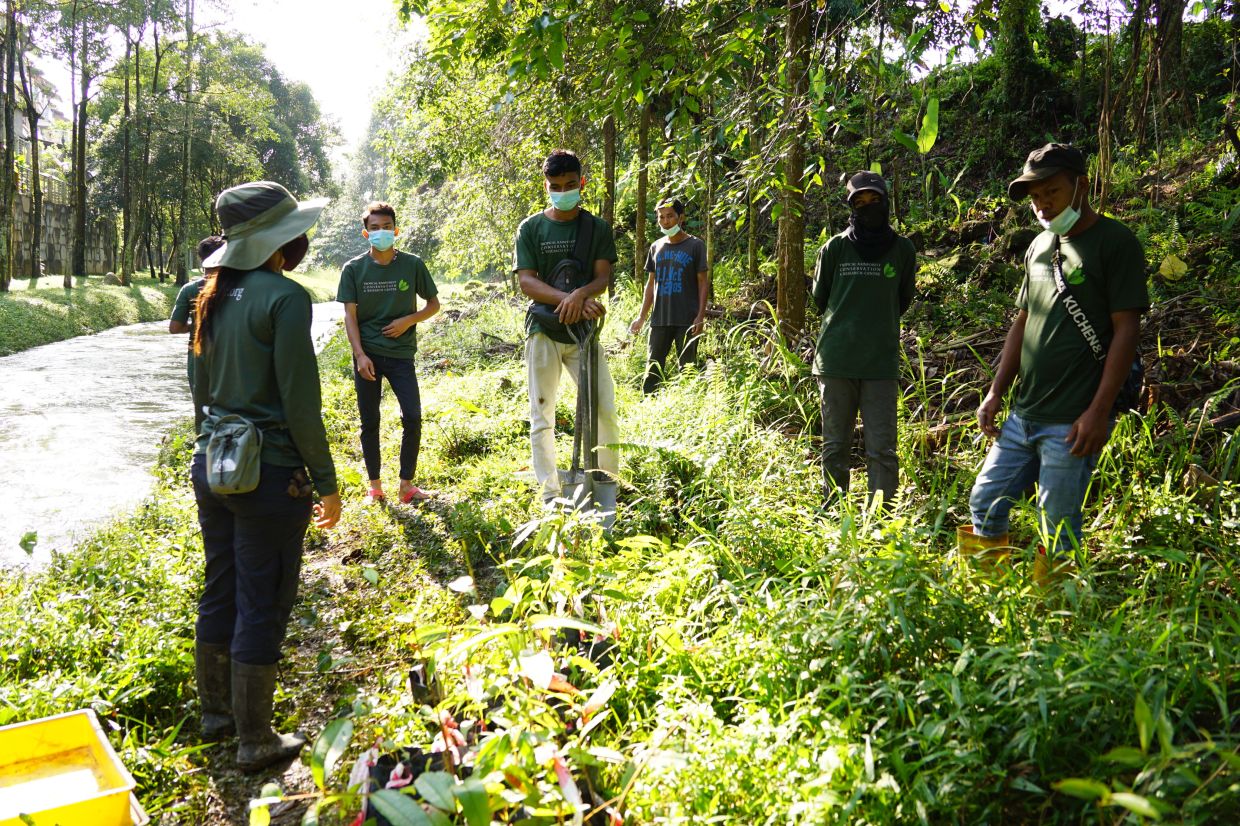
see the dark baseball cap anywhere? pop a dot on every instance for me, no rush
(864, 181)
(1045, 162)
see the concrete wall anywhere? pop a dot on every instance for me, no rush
(57, 245)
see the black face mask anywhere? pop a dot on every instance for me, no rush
(294, 251)
(869, 229)
(871, 217)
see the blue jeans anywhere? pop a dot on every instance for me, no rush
(404, 383)
(253, 544)
(1028, 452)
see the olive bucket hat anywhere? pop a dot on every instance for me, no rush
(258, 218)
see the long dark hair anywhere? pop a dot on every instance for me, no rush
(214, 290)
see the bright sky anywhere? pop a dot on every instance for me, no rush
(343, 51)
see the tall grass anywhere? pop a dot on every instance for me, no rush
(770, 663)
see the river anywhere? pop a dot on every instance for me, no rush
(80, 427)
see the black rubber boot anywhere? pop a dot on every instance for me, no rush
(212, 667)
(259, 747)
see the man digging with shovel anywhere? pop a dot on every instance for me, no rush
(564, 257)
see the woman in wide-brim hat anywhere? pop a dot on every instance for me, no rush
(254, 357)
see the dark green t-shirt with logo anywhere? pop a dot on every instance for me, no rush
(861, 303)
(260, 364)
(543, 242)
(183, 311)
(384, 293)
(1105, 270)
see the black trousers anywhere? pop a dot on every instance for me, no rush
(662, 339)
(253, 545)
(403, 380)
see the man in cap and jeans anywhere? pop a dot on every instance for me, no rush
(1072, 346)
(863, 283)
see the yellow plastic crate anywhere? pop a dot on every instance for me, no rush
(61, 771)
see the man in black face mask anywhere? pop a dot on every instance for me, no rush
(863, 283)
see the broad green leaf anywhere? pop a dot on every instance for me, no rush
(669, 639)
(400, 809)
(436, 789)
(945, 7)
(328, 748)
(538, 668)
(1083, 788)
(1172, 268)
(1145, 723)
(929, 127)
(877, 167)
(904, 140)
(1125, 756)
(260, 816)
(462, 585)
(370, 575)
(1136, 804)
(474, 803)
(28, 541)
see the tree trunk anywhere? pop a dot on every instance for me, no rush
(185, 262)
(127, 210)
(8, 181)
(79, 180)
(36, 182)
(1126, 103)
(751, 214)
(790, 288)
(643, 163)
(1169, 46)
(609, 185)
(707, 212)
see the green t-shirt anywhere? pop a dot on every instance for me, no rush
(183, 311)
(383, 293)
(260, 364)
(543, 242)
(183, 307)
(861, 303)
(1105, 269)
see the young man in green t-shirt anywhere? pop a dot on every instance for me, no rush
(182, 318)
(379, 290)
(543, 241)
(863, 283)
(1061, 415)
(676, 289)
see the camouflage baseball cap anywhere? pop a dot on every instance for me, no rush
(258, 218)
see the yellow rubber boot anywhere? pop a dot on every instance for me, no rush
(991, 552)
(1047, 572)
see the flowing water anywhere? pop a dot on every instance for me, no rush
(80, 426)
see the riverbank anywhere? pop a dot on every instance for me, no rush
(40, 311)
(745, 638)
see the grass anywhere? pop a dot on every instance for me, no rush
(40, 311)
(729, 654)
(34, 314)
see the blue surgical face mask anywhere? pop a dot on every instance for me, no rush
(382, 239)
(565, 201)
(1063, 223)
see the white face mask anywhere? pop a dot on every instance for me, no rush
(670, 231)
(1063, 223)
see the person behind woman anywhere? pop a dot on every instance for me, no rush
(255, 358)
